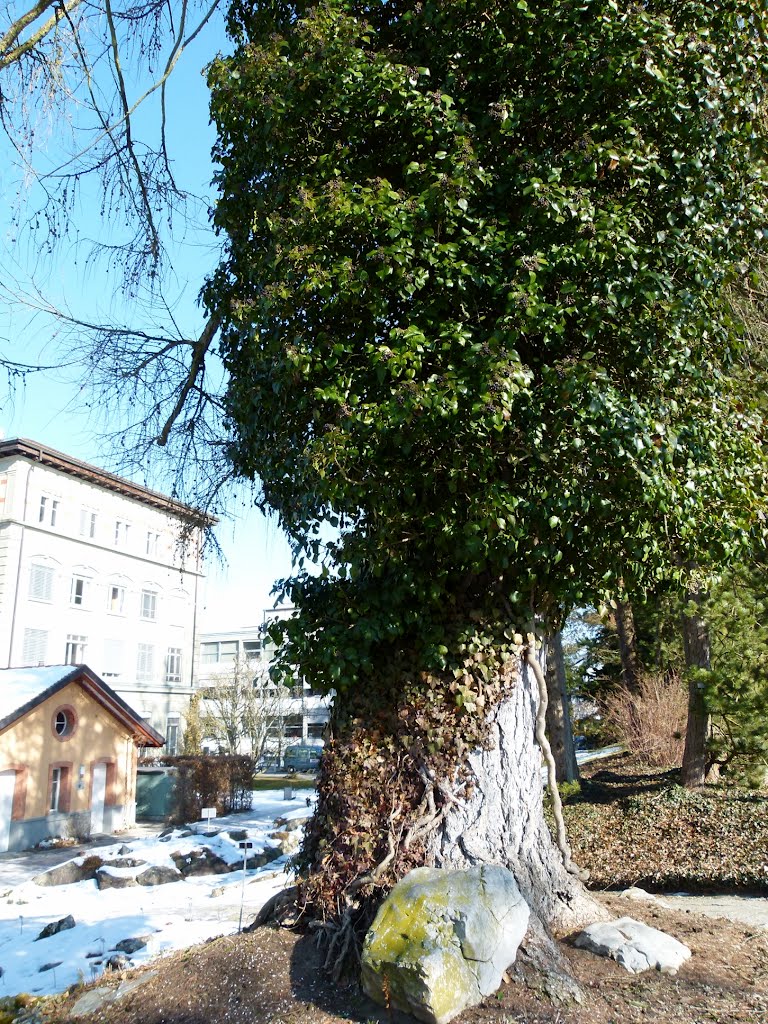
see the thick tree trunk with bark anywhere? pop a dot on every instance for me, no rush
(559, 725)
(502, 822)
(697, 656)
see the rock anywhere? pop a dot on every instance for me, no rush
(637, 947)
(291, 824)
(107, 879)
(200, 862)
(124, 850)
(62, 925)
(131, 945)
(639, 895)
(289, 841)
(442, 940)
(70, 872)
(92, 1001)
(159, 874)
(267, 855)
(219, 890)
(50, 966)
(118, 962)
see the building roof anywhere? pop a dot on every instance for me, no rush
(22, 447)
(23, 689)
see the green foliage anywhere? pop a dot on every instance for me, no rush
(472, 303)
(569, 790)
(193, 734)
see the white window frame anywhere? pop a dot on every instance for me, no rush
(173, 664)
(153, 542)
(148, 605)
(87, 523)
(122, 533)
(76, 647)
(145, 663)
(41, 582)
(115, 595)
(35, 650)
(56, 780)
(79, 591)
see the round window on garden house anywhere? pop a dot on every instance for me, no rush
(64, 722)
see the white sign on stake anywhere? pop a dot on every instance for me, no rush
(207, 813)
(245, 846)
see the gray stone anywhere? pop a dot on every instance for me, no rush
(50, 966)
(636, 946)
(118, 962)
(93, 1000)
(62, 925)
(124, 850)
(292, 824)
(132, 945)
(200, 862)
(442, 940)
(70, 872)
(158, 874)
(106, 879)
(237, 835)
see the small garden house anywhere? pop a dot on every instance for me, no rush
(68, 753)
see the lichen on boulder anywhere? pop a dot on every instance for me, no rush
(442, 940)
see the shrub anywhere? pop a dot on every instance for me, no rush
(223, 782)
(651, 722)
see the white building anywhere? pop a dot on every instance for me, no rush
(303, 714)
(95, 569)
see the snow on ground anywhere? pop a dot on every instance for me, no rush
(170, 917)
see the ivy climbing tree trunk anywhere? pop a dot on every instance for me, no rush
(697, 657)
(559, 722)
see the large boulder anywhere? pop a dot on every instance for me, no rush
(636, 946)
(202, 861)
(442, 940)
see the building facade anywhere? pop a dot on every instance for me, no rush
(298, 716)
(95, 569)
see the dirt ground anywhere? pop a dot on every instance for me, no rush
(272, 976)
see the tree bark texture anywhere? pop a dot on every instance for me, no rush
(502, 822)
(559, 725)
(627, 636)
(697, 656)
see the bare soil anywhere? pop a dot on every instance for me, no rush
(272, 976)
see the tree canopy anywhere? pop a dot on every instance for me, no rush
(474, 302)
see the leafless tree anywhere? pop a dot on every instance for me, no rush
(241, 708)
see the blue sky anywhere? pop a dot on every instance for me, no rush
(51, 407)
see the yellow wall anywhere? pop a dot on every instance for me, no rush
(32, 742)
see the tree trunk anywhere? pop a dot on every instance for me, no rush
(559, 727)
(697, 656)
(502, 822)
(627, 636)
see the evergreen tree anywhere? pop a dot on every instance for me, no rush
(473, 316)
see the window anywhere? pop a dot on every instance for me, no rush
(35, 649)
(48, 510)
(228, 650)
(153, 542)
(79, 591)
(64, 722)
(173, 665)
(172, 735)
(145, 663)
(56, 774)
(122, 529)
(41, 582)
(293, 727)
(148, 604)
(114, 658)
(115, 599)
(252, 649)
(76, 645)
(59, 788)
(87, 523)
(209, 653)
